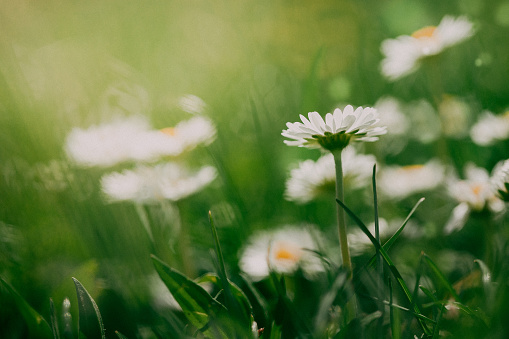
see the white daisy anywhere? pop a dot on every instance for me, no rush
(403, 54)
(336, 131)
(475, 193)
(500, 179)
(193, 132)
(490, 128)
(398, 182)
(192, 104)
(312, 179)
(283, 250)
(132, 139)
(454, 116)
(149, 184)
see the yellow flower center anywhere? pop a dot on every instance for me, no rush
(171, 131)
(476, 189)
(426, 32)
(411, 168)
(285, 254)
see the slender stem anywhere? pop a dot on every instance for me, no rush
(343, 239)
(340, 213)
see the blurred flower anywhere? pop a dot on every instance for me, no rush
(191, 133)
(474, 194)
(283, 251)
(149, 184)
(192, 104)
(336, 131)
(391, 113)
(312, 179)
(500, 179)
(454, 116)
(398, 182)
(132, 139)
(490, 128)
(360, 243)
(403, 54)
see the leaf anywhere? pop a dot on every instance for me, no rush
(389, 262)
(239, 296)
(90, 321)
(394, 315)
(198, 306)
(120, 335)
(37, 325)
(428, 293)
(236, 302)
(54, 323)
(442, 279)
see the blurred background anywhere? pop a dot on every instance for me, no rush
(256, 65)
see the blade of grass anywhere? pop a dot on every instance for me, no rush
(441, 277)
(90, 321)
(436, 329)
(394, 315)
(379, 260)
(54, 323)
(389, 262)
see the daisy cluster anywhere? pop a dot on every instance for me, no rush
(131, 140)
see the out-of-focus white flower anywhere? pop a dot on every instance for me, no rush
(338, 129)
(149, 184)
(312, 179)
(500, 179)
(454, 116)
(192, 104)
(360, 243)
(398, 182)
(391, 113)
(191, 133)
(283, 251)
(490, 128)
(475, 193)
(403, 54)
(132, 139)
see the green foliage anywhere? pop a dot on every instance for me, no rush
(90, 321)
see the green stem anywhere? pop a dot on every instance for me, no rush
(343, 239)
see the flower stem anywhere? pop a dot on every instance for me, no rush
(341, 218)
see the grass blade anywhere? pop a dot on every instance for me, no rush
(54, 323)
(90, 321)
(120, 335)
(440, 276)
(389, 262)
(37, 325)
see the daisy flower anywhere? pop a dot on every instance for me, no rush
(474, 194)
(283, 251)
(132, 139)
(338, 129)
(191, 133)
(192, 104)
(398, 182)
(403, 54)
(490, 128)
(500, 180)
(168, 181)
(312, 179)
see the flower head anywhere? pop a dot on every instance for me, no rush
(474, 194)
(283, 251)
(399, 182)
(500, 180)
(338, 129)
(148, 184)
(403, 54)
(490, 128)
(312, 179)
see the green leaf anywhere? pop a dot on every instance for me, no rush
(394, 315)
(54, 323)
(37, 325)
(428, 293)
(440, 276)
(239, 296)
(90, 321)
(389, 262)
(236, 302)
(198, 306)
(120, 335)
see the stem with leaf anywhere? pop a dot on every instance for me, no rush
(341, 219)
